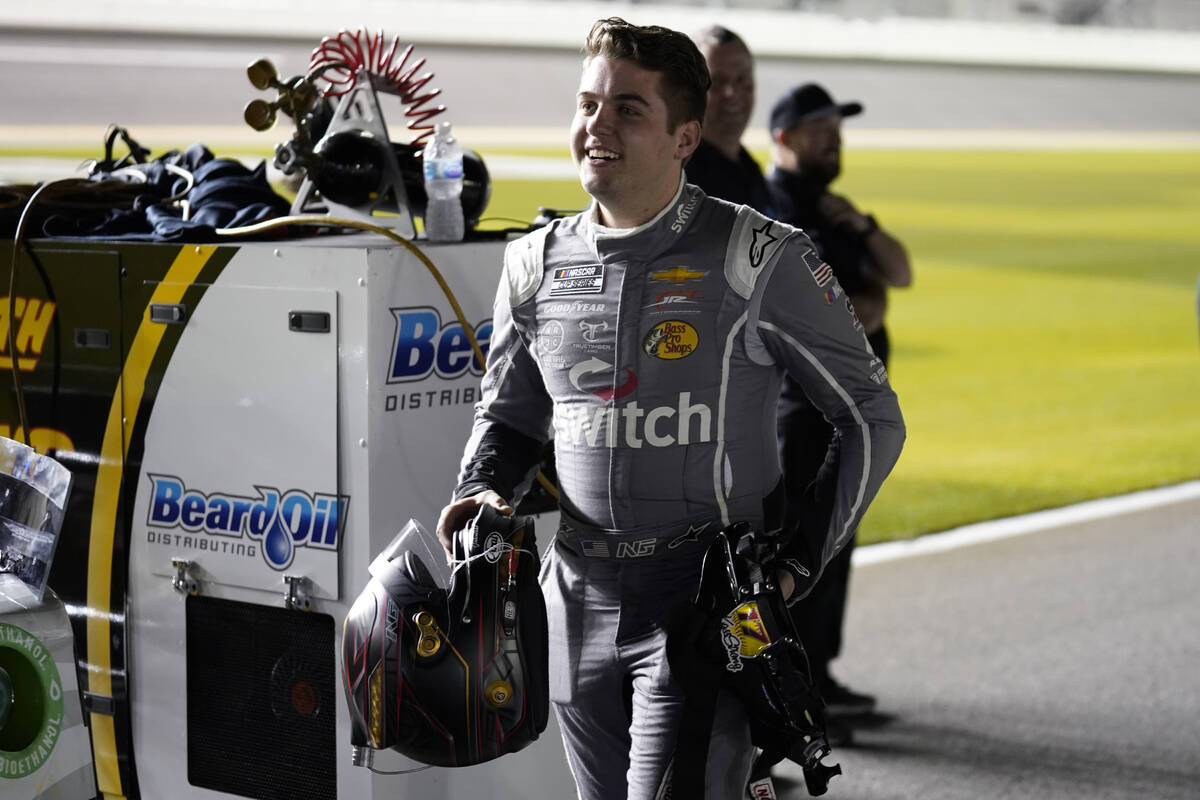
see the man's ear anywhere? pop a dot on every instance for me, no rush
(687, 139)
(777, 136)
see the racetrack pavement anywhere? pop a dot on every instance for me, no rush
(1061, 664)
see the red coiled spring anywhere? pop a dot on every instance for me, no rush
(341, 57)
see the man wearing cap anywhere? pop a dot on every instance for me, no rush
(721, 166)
(805, 125)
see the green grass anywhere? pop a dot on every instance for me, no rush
(1048, 351)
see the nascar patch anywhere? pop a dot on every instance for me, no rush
(583, 279)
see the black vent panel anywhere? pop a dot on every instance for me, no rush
(260, 700)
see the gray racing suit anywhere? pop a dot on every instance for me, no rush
(653, 356)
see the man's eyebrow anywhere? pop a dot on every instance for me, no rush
(621, 96)
(632, 96)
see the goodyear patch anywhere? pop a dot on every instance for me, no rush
(670, 340)
(582, 279)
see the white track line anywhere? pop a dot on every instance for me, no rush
(1026, 523)
(158, 58)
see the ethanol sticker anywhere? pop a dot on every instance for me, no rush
(586, 279)
(36, 714)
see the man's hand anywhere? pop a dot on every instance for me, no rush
(787, 584)
(889, 260)
(455, 516)
(841, 213)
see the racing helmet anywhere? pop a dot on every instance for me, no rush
(350, 166)
(749, 636)
(450, 675)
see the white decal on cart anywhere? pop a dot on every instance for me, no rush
(423, 346)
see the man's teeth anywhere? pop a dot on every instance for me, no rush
(607, 155)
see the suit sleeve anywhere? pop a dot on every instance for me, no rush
(804, 321)
(512, 420)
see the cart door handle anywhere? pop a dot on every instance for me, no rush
(308, 321)
(168, 313)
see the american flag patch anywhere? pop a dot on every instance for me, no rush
(594, 548)
(821, 272)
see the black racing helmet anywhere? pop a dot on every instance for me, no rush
(450, 676)
(351, 164)
(744, 633)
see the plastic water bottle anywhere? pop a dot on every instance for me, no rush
(443, 187)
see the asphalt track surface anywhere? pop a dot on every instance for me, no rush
(1059, 664)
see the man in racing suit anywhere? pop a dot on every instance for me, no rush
(649, 335)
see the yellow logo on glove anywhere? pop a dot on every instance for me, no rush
(743, 634)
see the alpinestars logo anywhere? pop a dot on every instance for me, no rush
(280, 521)
(763, 239)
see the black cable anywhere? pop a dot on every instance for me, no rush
(56, 324)
(398, 771)
(19, 390)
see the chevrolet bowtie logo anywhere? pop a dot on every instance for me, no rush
(676, 275)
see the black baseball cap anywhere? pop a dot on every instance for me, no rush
(805, 102)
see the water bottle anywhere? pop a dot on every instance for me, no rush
(443, 187)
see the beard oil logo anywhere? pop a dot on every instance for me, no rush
(280, 521)
(670, 340)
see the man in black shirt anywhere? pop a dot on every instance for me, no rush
(806, 131)
(721, 166)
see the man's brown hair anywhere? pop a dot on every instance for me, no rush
(685, 80)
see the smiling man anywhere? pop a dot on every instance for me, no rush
(647, 335)
(721, 166)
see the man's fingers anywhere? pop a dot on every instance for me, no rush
(455, 516)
